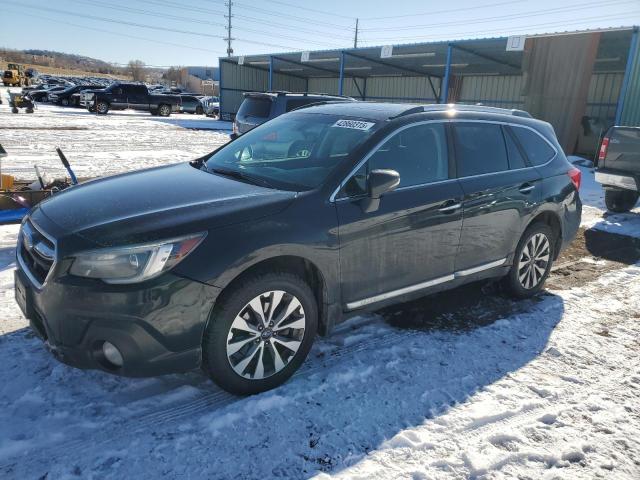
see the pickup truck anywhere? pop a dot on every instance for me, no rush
(618, 168)
(120, 96)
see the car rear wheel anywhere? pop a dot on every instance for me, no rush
(199, 111)
(64, 102)
(532, 261)
(102, 108)
(620, 201)
(164, 110)
(260, 333)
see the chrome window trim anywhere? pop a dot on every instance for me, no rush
(23, 265)
(332, 198)
(423, 285)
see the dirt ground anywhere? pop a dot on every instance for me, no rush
(589, 256)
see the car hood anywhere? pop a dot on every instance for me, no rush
(153, 204)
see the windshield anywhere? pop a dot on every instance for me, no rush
(296, 151)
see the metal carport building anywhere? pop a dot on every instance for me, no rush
(581, 82)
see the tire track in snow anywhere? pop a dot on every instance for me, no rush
(208, 402)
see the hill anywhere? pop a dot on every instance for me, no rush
(61, 63)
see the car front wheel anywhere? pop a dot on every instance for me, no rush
(260, 333)
(102, 108)
(164, 110)
(620, 201)
(532, 261)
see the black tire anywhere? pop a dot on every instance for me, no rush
(14, 110)
(64, 102)
(199, 110)
(215, 361)
(102, 108)
(620, 201)
(164, 110)
(513, 283)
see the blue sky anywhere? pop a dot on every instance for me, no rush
(189, 32)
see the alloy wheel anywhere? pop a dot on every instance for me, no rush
(266, 335)
(534, 261)
(164, 110)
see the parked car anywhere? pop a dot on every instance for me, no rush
(120, 96)
(233, 262)
(211, 106)
(618, 168)
(258, 107)
(42, 95)
(65, 97)
(191, 104)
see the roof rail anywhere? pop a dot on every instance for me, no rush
(319, 102)
(477, 108)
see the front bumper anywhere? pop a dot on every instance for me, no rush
(156, 325)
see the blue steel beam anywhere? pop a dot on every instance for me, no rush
(341, 79)
(627, 75)
(444, 86)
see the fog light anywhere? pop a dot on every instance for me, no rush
(112, 354)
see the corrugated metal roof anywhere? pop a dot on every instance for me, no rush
(474, 56)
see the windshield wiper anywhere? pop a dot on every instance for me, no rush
(241, 176)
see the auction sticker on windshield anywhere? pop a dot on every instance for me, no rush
(355, 124)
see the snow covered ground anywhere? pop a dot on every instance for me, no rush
(101, 145)
(548, 388)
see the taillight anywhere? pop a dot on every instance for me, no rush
(576, 177)
(603, 149)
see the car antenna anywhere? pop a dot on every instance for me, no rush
(65, 162)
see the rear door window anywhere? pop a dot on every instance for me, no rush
(480, 148)
(536, 148)
(255, 107)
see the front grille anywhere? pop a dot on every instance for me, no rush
(37, 252)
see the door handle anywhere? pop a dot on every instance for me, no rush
(449, 207)
(526, 188)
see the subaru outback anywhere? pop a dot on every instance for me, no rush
(234, 262)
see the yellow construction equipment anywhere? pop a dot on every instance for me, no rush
(14, 75)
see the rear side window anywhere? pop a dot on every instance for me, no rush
(255, 107)
(516, 160)
(480, 148)
(538, 150)
(293, 103)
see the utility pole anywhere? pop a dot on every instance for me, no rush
(355, 40)
(228, 28)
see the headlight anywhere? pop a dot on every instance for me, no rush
(135, 263)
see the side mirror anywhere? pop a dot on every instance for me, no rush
(379, 182)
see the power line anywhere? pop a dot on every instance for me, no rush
(261, 21)
(513, 16)
(438, 12)
(314, 21)
(322, 12)
(494, 32)
(110, 32)
(223, 14)
(153, 27)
